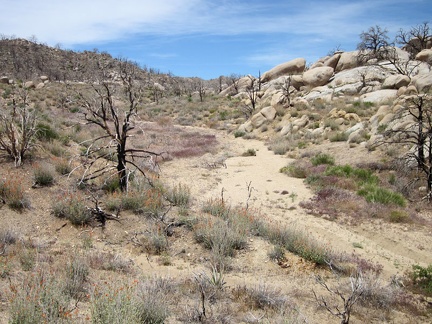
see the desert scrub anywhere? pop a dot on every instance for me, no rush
(43, 175)
(376, 194)
(109, 262)
(72, 207)
(151, 299)
(323, 158)
(40, 298)
(220, 237)
(362, 176)
(421, 278)
(12, 192)
(217, 207)
(239, 133)
(62, 166)
(27, 258)
(179, 195)
(137, 302)
(299, 243)
(398, 216)
(77, 271)
(149, 202)
(297, 169)
(339, 137)
(280, 145)
(113, 302)
(249, 152)
(111, 185)
(45, 132)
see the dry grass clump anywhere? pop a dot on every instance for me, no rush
(39, 298)
(248, 222)
(280, 145)
(179, 195)
(149, 202)
(109, 262)
(43, 175)
(154, 240)
(62, 166)
(76, 277)
(12, 193)
(220, 237)
(72, 206)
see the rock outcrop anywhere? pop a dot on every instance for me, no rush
(318, 76)
(295, 66)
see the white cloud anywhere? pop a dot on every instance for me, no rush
(82, 21)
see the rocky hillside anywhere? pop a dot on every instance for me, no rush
(333, 92)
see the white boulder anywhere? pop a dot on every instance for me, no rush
(295, 66)
(396, 81)
(318, 76)
(380, 96)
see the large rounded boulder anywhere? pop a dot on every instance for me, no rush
(295, 66)
(318, 76)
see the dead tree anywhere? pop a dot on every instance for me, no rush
(200, 88)
(417, 134)
(234, 80)
(114, 109)
(372, 43)
(17, 125)
(252, 92)
(287, 90)
(416, 39)
(348, 300)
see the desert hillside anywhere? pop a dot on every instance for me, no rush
(302, 195)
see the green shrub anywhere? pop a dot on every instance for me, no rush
(27, 258)
(375, 194)
(149, 202)
(239, 133)
(422, 278)
(111, 185)
(249, 152)
(114, 302)
(339, 137)
(73, 208)
(44, 132)
(299, 243)
(217, 207)
(179, 195)
(220, 237)
(40, 298)
(323, 159)
(77, 272)
(398, 216)
(363, 176)
(331, 123)
(295, 170)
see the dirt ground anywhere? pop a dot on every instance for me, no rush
(255, 182)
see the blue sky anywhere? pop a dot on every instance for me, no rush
(208, 38)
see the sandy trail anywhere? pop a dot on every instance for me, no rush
(256, 181)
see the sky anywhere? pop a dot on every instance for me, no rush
(208, 38)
